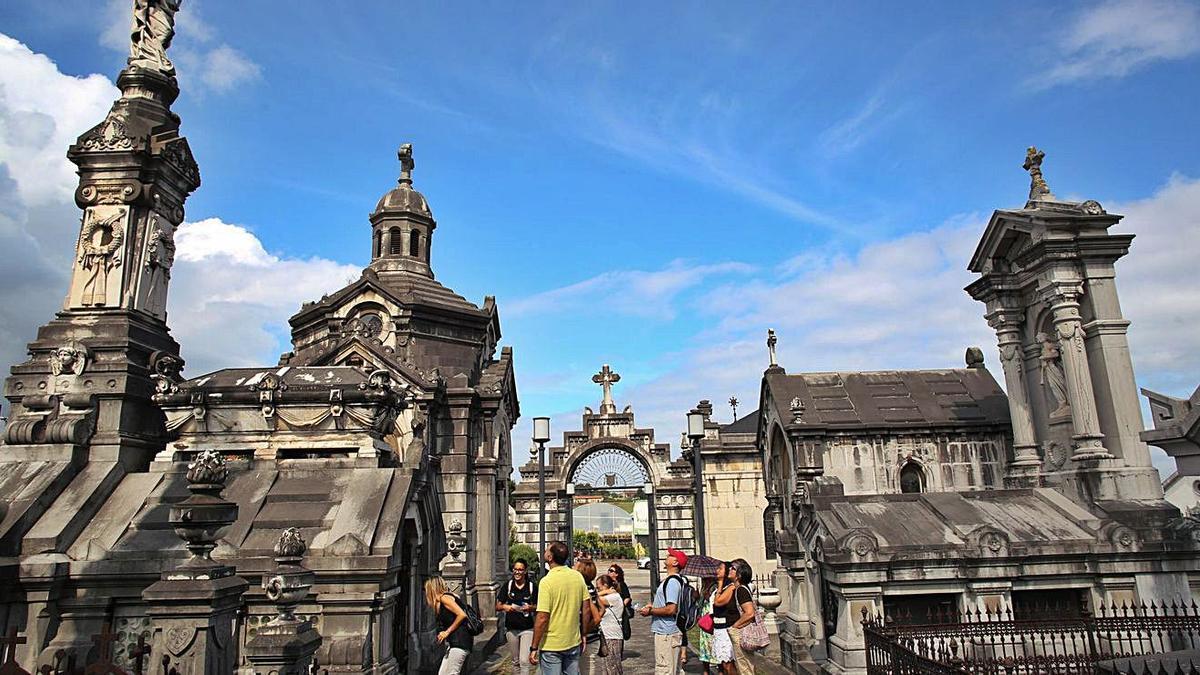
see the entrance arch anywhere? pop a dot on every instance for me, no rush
(609, 454)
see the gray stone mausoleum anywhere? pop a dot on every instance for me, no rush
(378, 449)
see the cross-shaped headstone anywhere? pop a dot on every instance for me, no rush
(606, 378)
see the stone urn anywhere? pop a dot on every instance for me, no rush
(769, 600)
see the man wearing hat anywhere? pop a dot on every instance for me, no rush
(668, 639)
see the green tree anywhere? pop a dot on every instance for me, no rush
(523, 552)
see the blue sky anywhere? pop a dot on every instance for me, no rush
(650, 187)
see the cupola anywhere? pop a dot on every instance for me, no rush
(402, 225)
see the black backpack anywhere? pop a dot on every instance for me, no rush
(687, 609)
(473, 624)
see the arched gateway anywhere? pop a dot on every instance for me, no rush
(609, 458)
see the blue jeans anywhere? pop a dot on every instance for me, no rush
(559, 663)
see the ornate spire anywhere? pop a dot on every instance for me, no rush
(406, 164)
(1039, 191)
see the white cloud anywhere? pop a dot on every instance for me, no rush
(230, 299)
(1117, 37)
(42, 111)
(224, 68)
(201, 58)
(900, 304)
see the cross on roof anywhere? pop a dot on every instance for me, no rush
(606, 378)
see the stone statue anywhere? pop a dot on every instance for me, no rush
(1053, 374)
(416, 446)
(151, 33)
(1038, 190)
(771, 340)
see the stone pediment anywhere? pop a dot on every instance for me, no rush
(375, 356)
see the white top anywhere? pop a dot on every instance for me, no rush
(610, 623)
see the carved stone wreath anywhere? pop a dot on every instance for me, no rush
(116, 231)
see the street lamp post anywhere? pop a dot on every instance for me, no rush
(541, 436)
(695, 432)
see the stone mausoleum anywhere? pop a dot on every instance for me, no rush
(380, 443)
(909, 493)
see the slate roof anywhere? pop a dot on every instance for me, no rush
(747, 424)
(893, 398)
(347, 514)
(926, 523)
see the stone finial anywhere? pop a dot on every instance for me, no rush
(771, 342)
(199, 519)
(290, 582)
(290, 545)
(287, 643)
(797, 409)
(456, 543)
(208, 469)
(974, 357)
(1038, 189)
(406, 163)
(705, 407)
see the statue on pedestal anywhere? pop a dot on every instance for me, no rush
(151, 33)
(1053, 375)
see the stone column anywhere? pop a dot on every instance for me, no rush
(1022, 471)
(385, 247)
(1064, 303)
(286, 645)
(192, 607)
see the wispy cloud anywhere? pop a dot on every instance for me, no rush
(639, 293)
(1118, 37)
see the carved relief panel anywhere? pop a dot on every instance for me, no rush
(100, 257)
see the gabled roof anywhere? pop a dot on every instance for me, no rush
(892, 398)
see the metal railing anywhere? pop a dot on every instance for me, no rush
(1044, 639)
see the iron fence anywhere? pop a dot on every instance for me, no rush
(1046, 639)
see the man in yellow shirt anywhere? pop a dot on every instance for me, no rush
(561, 606)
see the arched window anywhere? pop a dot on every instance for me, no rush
(375, 249)
(414, 244)
(395, 242)
(912, 480)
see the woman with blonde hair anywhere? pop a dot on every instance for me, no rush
(451, 619)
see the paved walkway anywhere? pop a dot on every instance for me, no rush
(639, 649)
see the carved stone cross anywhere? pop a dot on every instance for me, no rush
(606, 378)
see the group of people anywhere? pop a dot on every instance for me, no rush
(575, 620)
